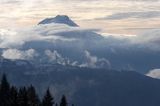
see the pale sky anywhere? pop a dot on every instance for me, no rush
(110, 16)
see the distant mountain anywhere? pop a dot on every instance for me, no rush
(90, 87)
(61, 19)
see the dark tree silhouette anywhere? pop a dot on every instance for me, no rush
(63, 101)
(22, 97)
(33, 99)
(13, 96)
(4, 92)
(47, 99)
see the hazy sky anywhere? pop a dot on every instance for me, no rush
(110, 16)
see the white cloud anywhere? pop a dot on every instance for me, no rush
(17, 37)
(15, 54)
(91, 61)
(9, 38)
(95, 62)
(154, 73)
(55, 57)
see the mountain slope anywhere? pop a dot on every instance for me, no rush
(61, 19)
(91, 87)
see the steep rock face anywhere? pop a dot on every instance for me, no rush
(61, 19)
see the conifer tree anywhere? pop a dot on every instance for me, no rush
(63, 101)
(13, 96)
(47, 99)
(4, 92)
(33, 99)
(22, 97)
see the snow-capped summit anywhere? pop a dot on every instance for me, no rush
(61, 19)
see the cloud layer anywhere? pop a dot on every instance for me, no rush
(66, 45)
(17, 37)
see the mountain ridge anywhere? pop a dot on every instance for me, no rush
(61, 19)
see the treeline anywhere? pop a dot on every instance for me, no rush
(25, 96)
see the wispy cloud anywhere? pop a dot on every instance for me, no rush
(135, 15)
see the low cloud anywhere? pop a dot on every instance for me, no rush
(15, 54)
(55, 57)
(154, 73)
(91, 61)
(95, 62)
(18, 37)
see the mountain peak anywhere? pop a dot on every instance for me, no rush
(61, 19)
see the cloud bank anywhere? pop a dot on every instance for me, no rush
(82, 47)
(18, 37)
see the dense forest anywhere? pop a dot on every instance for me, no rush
(26, 96)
